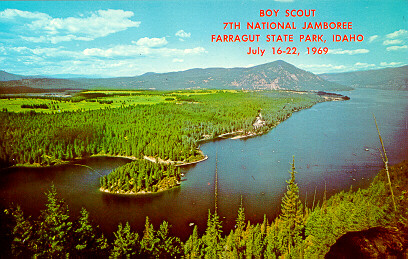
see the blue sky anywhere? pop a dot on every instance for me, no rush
(109, 39)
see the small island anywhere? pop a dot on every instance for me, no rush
(140, 177)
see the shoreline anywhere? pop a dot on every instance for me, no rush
(326, 97)
(141, 193)
(231, 135)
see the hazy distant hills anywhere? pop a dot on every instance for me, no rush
(37, 85)
(274, 75)
(4, 76)
(387, 78)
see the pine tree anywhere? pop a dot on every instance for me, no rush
(212, 238)
(86, 242)
(167, 246)
(84, 232)
(260, 239)
(239, 244)
(149, 239)
(125, 244)
(23, 243)
(54, 227)
(193, 246)
(292, 217)
(240, 218)
(272, 240)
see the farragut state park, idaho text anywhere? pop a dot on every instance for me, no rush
(289, 27)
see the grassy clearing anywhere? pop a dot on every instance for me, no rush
(58, 105)
(94, 100)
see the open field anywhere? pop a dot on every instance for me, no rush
(93, 100)
(56, 105)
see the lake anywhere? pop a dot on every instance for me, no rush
(335, 145)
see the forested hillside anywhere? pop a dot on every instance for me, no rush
(169, 130)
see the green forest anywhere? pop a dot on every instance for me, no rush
(165, 125)
(141, 176)
(169, 126)
(299, 230)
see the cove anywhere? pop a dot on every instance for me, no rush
(334, 144)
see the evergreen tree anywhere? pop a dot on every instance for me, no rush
(292, 215)
(149, 239)
(23, 243)
(239, 244)
(167, 246)
(86, 242)
(54, 227)
(240, 219)
(212, 239)
(259, 241)
(126, 243)
(272, 240)
(194, 245)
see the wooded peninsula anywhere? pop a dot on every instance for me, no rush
(163, 126)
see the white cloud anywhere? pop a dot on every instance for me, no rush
(44, 53)
(183, 34)
(396, 48)
(135, 50)
(319, 66)
(399, 37)
(19, 49)
(12, 14)
(397, 34)
(121, 60)
(363, 65)
(392, 42)
(193, 51)
(372, 38)
(151, 42)
(48, 29)
(349, 52)
(391, 64)
(330, 68)
(55, 39)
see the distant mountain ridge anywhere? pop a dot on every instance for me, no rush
(272, 76)
(4, 76)
(386, 78)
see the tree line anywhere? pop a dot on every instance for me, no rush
(298, 231)
(169, 130)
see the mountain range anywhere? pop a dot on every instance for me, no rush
(386, 78)
(270, 76)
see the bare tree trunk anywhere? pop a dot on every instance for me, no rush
(216, 184)
(385, 160)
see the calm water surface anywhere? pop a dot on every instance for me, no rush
(334, 144)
